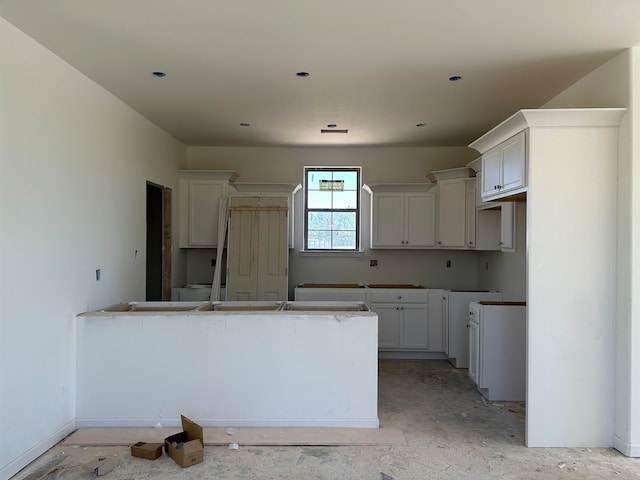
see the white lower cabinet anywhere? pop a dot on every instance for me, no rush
(497, 346)
(455, 304)
(474, 344)
(402, 326)
(402, 318)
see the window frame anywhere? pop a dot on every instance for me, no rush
(357, 210)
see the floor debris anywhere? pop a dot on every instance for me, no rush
(102, 466)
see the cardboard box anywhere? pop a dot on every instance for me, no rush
(187, 447)
(150, 451)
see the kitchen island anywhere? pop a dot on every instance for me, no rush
(226, 364)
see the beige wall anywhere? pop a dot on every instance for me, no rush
(380, 164)
(74, 162)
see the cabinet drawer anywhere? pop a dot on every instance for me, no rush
(398, 295)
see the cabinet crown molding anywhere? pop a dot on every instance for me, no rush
(451, 173)
(255, 187)
(399, 187)
(556, 117)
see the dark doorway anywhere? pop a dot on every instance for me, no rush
(154, 241)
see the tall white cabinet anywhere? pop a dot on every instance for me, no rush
(257, 252)
(573, 293)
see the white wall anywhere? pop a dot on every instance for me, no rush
(617, 84)
(379, 165)
(74, 162)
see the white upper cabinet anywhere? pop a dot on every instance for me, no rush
(452, 211)
(200, 193)
(504, 168)
(402, 216)
(455, 227)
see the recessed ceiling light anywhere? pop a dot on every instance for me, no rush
(455, 78)
(303, 74)
(332, 125)
(159, 74)
(244, 124)
(420, 124)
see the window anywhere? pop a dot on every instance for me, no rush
(332, 208)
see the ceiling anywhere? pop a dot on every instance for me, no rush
(377, 68)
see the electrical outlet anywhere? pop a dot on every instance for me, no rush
(448, 263)
(373, 263)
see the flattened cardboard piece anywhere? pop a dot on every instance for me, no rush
(150, 451)
(187, 447)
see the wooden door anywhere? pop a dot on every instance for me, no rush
(258, 249)
(273, 255)
(241, 256)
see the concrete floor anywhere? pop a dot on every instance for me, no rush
(451, 433)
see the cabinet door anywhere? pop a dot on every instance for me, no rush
(388, 220)
(420, 220)
(513, 163)
(445, 323)
(199, 212)
(507, 227)
(470, 214)
(434, 316)
(388, 325)
(452, 211)
(474, 352)
(273, 255)
(491, 171)
(415, 326)
(241, 270)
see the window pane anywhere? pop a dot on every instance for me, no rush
(314, 177)
(319, 199)
(345, 199)
(350, 179)
(320, 239)
(344, 221)
(344, 240)
(319, 221)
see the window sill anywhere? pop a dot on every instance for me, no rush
(331, 253)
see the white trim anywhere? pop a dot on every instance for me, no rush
(229, 422)
(13, 467)
(331, 253)
(411, 355)
(626, 448)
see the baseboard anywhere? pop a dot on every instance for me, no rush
(626, 448)
(228, 422)
(410, 355)
(13, 467)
